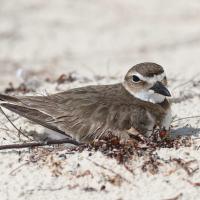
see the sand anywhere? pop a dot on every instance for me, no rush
(97, 41)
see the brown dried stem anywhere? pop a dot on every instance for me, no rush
(38, 144)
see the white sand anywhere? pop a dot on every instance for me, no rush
(47, 38)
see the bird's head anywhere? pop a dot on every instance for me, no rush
(148, 82)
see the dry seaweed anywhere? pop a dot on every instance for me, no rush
(66, 78)
(123, 152)
(22, 88)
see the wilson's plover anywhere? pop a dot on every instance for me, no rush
(138, 104)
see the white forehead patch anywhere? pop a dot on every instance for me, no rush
(152, 79)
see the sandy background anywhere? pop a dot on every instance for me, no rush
(44, 39)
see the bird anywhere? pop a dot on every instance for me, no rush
(138, 104)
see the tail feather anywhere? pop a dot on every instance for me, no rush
(32, 114)
(8, 98)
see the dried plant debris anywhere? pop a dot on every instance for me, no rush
(25, 87)
(89, 189)
(190, 167)
(152, 164)
(195, 184)
(123, 152)
(55, 166)
(66, 78)
(177, 197)
(22, 88)
(55, 157)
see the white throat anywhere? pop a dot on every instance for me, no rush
(149, 96)
(145, 95)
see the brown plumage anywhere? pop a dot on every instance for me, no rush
(148, 69)
(88, 112)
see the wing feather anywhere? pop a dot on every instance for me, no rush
(87, 112)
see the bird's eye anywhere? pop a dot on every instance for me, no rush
(136, 78)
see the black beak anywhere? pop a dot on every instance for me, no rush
(160, 89)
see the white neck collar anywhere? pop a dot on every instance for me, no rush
(149, 96)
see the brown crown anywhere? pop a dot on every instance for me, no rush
(148, 69)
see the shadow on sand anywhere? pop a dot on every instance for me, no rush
(185, 131)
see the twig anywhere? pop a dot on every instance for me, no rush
(195, 184)
(176, 197)
(103, 167)
(12, 173)
(191, 117)
(47, 189)
(38, 144)
(186, 165)
(19, 131)
(185, 83)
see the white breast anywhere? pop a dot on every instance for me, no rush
(151, 124)
(165, 124)
(167, 120)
